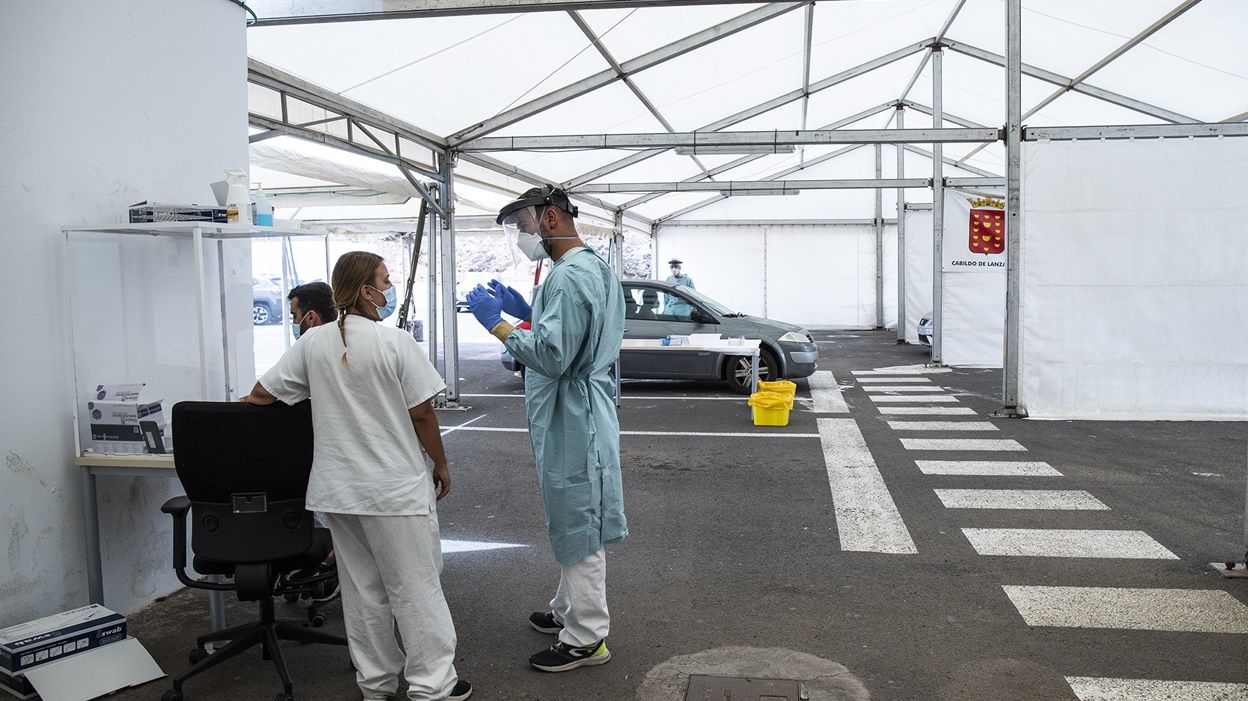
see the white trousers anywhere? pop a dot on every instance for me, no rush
(389, 568)
(580, 602)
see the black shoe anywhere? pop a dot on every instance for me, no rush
(544, 622)
(461, 691)
(327, 590)
(562, 657)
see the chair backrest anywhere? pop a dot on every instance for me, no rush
(245, 470)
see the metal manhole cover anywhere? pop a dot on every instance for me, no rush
(708, 688)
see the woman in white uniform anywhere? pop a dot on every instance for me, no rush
(376, 432)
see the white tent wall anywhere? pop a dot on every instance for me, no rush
(817, 275)
(1135, 279)
(87, 142)
(918, 269)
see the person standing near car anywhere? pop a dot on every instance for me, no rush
(678, 277)
(375, 432)
(675, 306)
(577, 322)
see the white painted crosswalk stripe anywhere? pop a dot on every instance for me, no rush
(987, 468)
(1049, 499)
(1105, 689)
(827, 394)
(927, 410)
(896, 380)
(1177, 610)
(941, 426)
(903, 388)
(904, 370)
(867, 519)
(1058, 542)
(913, 399)
(985, 444)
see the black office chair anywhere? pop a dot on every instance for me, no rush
(245, 470)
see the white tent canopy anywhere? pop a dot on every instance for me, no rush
(449, 74)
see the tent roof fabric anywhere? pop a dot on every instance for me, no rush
(449, 75)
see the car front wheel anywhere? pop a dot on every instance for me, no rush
(260, 314)
(737, 373)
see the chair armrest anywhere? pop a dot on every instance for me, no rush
(177, 506)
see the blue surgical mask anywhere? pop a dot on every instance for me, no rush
(391, 296)
(297, 327)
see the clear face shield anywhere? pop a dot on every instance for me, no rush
(520, 231)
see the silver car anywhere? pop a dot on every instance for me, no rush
(655, 309)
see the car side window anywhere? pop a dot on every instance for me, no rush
(651, 304)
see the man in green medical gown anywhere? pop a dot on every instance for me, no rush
(577, 321)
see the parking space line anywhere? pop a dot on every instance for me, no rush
(827, 393)
(1106, 689)
(464, 425)
(941, 426)
(913, 399)
(741, 399)
(927, 410)
(1039, 499)
(710, 434)
(986, 444)
(987, 468)
(1058, 542)
(1177, 610)
(867, 519)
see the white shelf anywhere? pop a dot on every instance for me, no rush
(186, 229)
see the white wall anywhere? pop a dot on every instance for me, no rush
(820, 276)
(1135, 279)
(115, 101)
(918, 269)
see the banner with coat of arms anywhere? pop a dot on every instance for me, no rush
(975, 236)
(975, 242)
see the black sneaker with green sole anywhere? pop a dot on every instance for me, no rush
(562, 657)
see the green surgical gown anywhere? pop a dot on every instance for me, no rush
(578, 323)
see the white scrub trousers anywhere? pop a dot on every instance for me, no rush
(580, 602)
(389, 568)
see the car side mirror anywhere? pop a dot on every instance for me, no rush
(701, 317)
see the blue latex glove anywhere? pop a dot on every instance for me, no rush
(486, 307)
(513, 302)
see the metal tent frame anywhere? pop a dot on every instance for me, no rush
(427, 161)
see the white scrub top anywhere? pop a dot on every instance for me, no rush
(367, 459)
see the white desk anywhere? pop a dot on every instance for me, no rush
(138, 465)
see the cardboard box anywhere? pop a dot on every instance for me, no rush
(27, 646)
(122, 422)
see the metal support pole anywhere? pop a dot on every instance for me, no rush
(91, 517)
(450, 332)
(938, 210)
(431, 263)
(879, 239)
(901, 233)
(225, 319)
(1013, 182)
(617, 258)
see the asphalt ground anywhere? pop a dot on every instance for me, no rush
(734, 542)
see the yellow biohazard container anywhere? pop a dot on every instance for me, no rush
(784, 388)
(771, 408)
